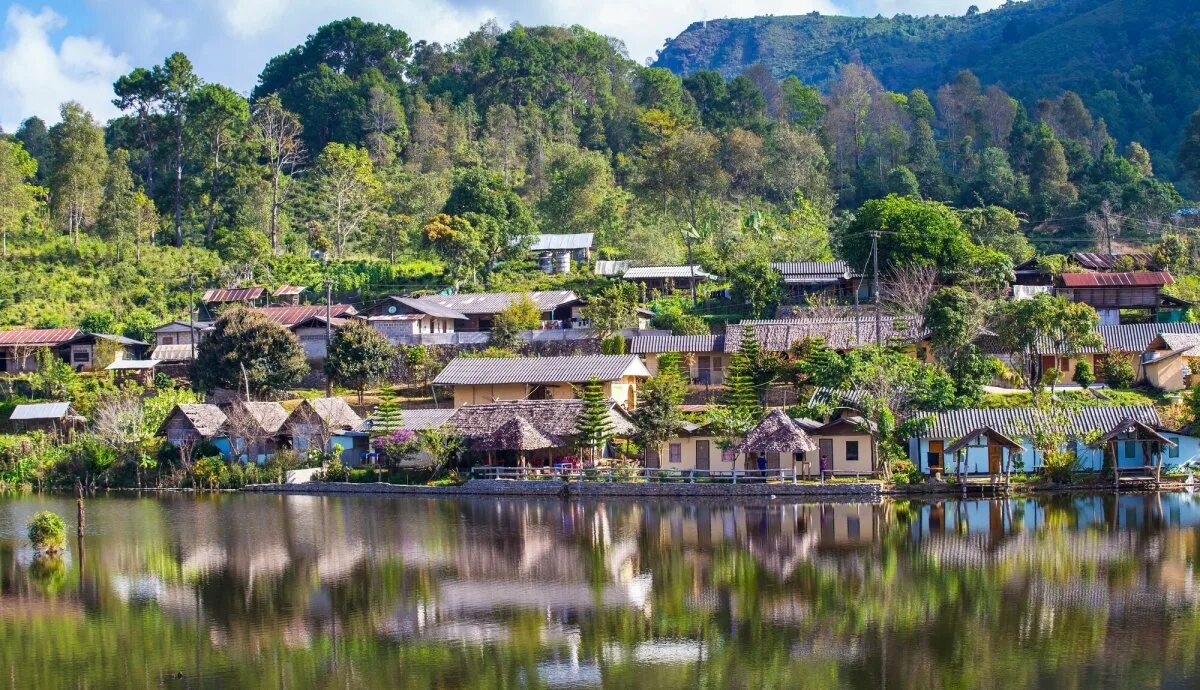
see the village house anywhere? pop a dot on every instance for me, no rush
(487, 380)
(57, 418)
(190, 424)
(480, 309)
(252, 429)
(840, 334)
(1170, 361)
(667, 279)
(325, 423)
(1111, 293)
(19, 346)
(703, 355)
(555, 253)
(1032, 271)
(409, 320)
(312, 334)
(991, 442)
(803, 280)
(140, 371)
(214, 301)
(95, 351)
(173, 340)
(536, 432)
(287, 295)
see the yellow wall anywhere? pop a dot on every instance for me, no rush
(840, 464)
(1168, 375)
(786, 460)
(477, 395)
(688, 454)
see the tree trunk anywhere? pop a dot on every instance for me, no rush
(275, 212)
(212, 195)
(179, 180)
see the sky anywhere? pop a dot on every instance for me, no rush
(51, 52)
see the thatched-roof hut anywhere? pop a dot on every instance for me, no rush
(776, 433)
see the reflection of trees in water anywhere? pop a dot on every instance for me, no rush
(985, 592)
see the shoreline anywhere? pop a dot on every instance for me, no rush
(564, 489)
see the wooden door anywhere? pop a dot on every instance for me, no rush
(652, 457)
(935, 455)
(702, 451)
(825, 459)
(994, 456)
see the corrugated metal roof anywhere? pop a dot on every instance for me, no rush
(220, 295)
(646, 344)
(611, 268)
(651, 272)
(290, 316)
(172, 353)
(839, 334)
(1134, 279)
(287, 290)
(821, 269)
(1013, 421)
(1136, 337)
(426, 306)
(132, 364)
(34, 411)
(419, 420)
(547, 243)
(37, 336)
(572, 369)
(495, 302)
(1104, 262)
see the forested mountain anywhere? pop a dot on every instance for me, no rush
(388, 164)
(1136, 63)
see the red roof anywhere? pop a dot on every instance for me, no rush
(290, 316)
(249, 294)
(37, 336)
(1135, 279)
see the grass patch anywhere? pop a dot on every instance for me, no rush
(1106, 397)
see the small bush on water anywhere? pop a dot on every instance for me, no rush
(905, 472)
(47, 532)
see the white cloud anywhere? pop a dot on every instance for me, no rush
(36, 76)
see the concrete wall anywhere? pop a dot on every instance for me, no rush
(622, 392)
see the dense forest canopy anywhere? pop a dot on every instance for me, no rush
(390, 165)
(1135, 63)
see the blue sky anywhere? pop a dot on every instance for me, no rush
(74, 49)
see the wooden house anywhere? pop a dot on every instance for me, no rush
(520, 432)
(667, 279)
(287, 295)
(703, 355)
(252, 430)
(480, 309)
(841, 334)
(1111, 293)
(409, 320)
(189, 424)
(805, 279)
(487, 380)
(95, 351)
(57, 418)
(19, 347)
(326, 422)
(173, 340)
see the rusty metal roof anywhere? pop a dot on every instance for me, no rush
(37, 336)
(221, 295)
(290, 316)
(1134, 279)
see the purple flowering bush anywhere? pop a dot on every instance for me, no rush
(396, 446)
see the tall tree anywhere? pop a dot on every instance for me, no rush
(141, 91)
(248, 350)
(595, 425)
(219, 116)
(79, 162)
(178, 82)
(279, 133)
(18, 195)
(119, 212)
(358, 356)
(346, 189)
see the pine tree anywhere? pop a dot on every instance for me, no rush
(387, 416)
(595, 425)
(759, 367)
(740, 395)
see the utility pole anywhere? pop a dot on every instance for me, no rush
(191, 318)
(328, 331)
(875, 286)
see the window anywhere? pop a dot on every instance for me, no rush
(851, 451)
(676, 453)
(853, 526)
(168, 340)
(1130, 449)
(1173, 451)
(81, 356)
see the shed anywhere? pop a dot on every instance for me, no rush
(58, 417)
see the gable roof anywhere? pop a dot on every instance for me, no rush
(173, 326)
(812, 272)
(987, 432)
(1136, 337)
(270, 416)
(334, 412)
(558, 417)
(483, 371)
(1187, 343)
(422, 306)
(651, 272)
(1106, 262)
(776, 433)
(286, 290)
(544, 243)
(611, 267)
(1011, 421)
(172, 353)
(840, 334)
(38, 411)
(30, 337)
(92, 337)
(206, 419)
(1140, 429)
(495, 302)
(647, 344)
(290, 316)
(221, 295)
(1102, 280)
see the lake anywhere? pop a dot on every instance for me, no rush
(296, 591)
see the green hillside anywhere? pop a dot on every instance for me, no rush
(1135, 63)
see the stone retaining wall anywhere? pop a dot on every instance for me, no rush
(507, 487)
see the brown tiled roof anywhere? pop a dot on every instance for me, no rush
(495, 302)
(517, 433)
(776, 433)
(37, 336)
(221, 295)
(839, 334)
(647, 344)
(290, 316)
(558, 417)
(482, 371)
(1134, 279)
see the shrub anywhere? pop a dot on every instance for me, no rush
(905, 472)
(613, 345)
(1083, 374)
(1059, 465)
(335, 471)
(1116, 370)
(396, 446)
(47, 532)
(210, 471)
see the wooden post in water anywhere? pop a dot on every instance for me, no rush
(79, 505)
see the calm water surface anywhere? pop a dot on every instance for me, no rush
(295, 591)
